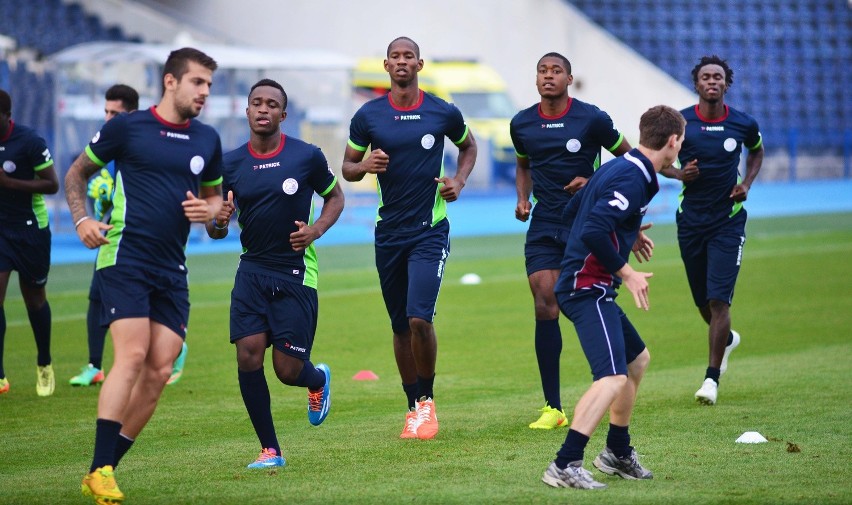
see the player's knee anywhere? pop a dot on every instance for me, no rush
(615, 383)
(641, 362)
(420, 328)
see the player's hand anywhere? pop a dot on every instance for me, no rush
(522, 211)
(450, 189)
(376, 163)
(689, 172)
(91, 233)
(576, 184)
(303, 236)
(227, 210)
(197, 210)
(637, 284)
(643, 248)
(740, 193)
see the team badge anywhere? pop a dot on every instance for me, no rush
(290, 186)
(427, 141)
(573, 145)
(730, 144)
(9, 166)
(96, 138)
(196, 164)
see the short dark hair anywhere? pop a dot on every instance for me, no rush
(713, 60)
(273, 84)
(659, 123)
(177, 63)
(394, 41)
(128, 96)
(5, 103)
(556, 55)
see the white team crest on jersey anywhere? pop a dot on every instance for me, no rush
(96, 138)
(9, 166)
(427, 141)
(196, 164)
(730, 144)
(290, 186)
(573, 145)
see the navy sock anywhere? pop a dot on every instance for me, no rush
(548, 348)
(425, 385)
(106, 436)
(97, 335)
(618, 440)
(40, 321)
(310, 377)
(572, 449)
(2, 339)
(411, 392)
(712, 373)
(122, 445)
(255, 394)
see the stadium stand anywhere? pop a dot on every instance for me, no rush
(792, 59)
(40, 28)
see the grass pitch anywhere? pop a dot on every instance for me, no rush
(789, 380)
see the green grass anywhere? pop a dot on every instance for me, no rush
(789, 380)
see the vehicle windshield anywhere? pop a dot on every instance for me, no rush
(484, 105)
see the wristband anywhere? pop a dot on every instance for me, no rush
(217, 227)
(77, 224)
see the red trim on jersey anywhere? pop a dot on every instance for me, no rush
(167, 123)
(9, 131)
(404, 109)
(698, 113)
(270, 155)
(561, 114)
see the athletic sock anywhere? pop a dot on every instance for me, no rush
(255, 392)
(122, 445)
(40, 321)
(548, 348)
(425, 385)
(310, 377)
(572, 449)
(97, 335)
(712, 373)
(618, 440)
(411, 392)
(2, 339)
(106, 436)
(730, 339)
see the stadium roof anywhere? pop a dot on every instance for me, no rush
(227, 56)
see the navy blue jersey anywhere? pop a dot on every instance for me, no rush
(22, 154)
(605, 217)
(561, 148)
(413, 139)
(272, 192)
(717, 145)
(156, 163)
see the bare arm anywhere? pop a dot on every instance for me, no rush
(45, 182)
(754, 160)
(355, 167)
(89, 230)
(523, 187)
(466, 160)
(306, 234)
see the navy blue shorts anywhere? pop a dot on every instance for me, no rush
(410, 272)
(608, 338)
(26, 249)
(545, 246)
(284, 310)
(130, 291)
(712, 259)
